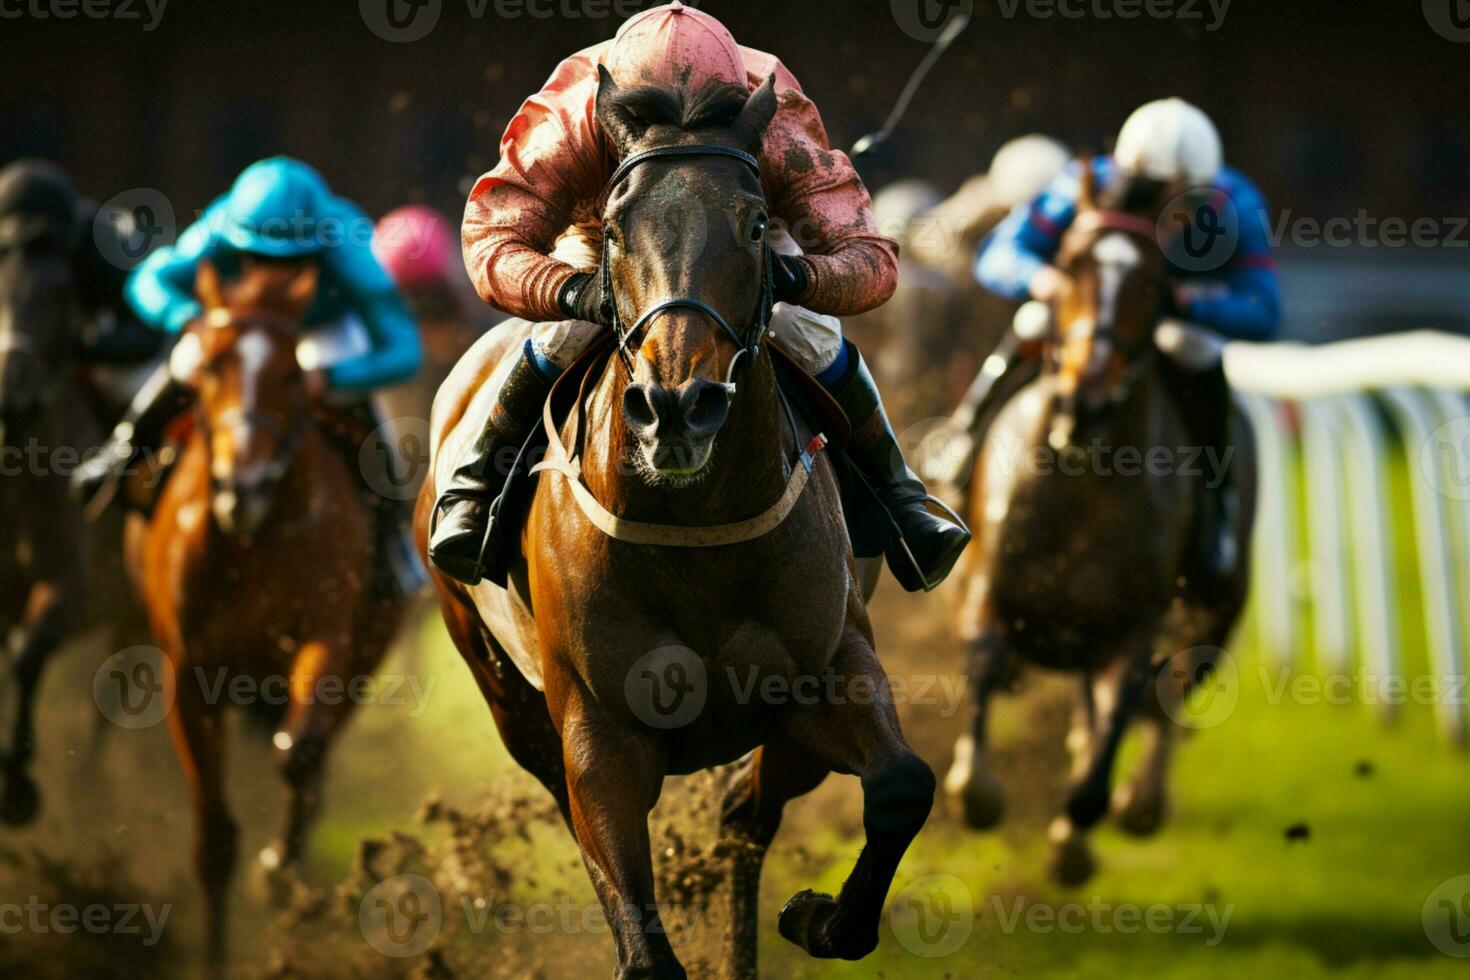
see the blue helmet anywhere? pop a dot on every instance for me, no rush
(275, 209)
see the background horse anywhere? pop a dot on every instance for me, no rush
(256, 563)
(57, 573)
(608, 664)
(1083, 564)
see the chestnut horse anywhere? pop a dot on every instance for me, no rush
(609, 663)
(256, 564)
(1085, 558)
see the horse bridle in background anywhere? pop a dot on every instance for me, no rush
(289, 435)
(749, 344)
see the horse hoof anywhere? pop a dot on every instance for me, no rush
(983, 802)
(1138, 814)
(809, 919)
(21, 800)
(274, 880)
(1072, 862)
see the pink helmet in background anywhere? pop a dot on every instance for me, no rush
(415, 244)
(675, 45)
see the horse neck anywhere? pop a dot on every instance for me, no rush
(746, 472)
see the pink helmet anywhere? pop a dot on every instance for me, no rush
(415, 245)
(675, 45)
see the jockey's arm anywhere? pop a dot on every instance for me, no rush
(1246, 303)
(369, 291)
(818, 195)
(161, 289)
(550, 160)
(1026, 242)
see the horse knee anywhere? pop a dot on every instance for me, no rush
(898, 796)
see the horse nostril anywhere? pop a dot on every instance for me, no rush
(638, 408)
(705, 407)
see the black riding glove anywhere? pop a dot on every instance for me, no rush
(791, 278)
(582, 298)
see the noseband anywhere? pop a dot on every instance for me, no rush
(748, 344)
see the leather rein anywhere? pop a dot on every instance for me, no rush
(567, 463)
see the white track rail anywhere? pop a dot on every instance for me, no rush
(1346, 405)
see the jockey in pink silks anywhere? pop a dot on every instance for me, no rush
(530, 240)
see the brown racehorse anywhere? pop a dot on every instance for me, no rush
(1084, 559)
(608, 664)
(256, 564)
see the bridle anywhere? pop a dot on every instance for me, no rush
(288, 435)
(1137, 354)
(748, 344)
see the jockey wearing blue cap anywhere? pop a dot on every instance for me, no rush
(360, 331)
(1221, 263)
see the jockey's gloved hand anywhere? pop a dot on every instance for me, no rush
(582, 298)
(791, 278)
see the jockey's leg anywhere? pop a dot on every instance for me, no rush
(1017, 346)
(353, 421)
(463, 508)
(935, 542)
(157, 403)
(1197, 376)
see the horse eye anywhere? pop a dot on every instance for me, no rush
(758, 230)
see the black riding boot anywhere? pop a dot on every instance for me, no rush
(1205, 398)
(461, 530)
(927, 545)
(161, 399)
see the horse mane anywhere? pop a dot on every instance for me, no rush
(1131, 194)
(713, 104)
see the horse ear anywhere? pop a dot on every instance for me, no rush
(621, 126)
(1086, 186)
(207, 285)
(757, 114)
(303, 286)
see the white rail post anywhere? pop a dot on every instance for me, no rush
(1332, 624)
(1417, 416)
(1273, 546)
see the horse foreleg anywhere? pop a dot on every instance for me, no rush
(969, 778)
(198, 738)
(301, 742)
(859, 734)
(1112, 702)
(614, 777)
(31, 643)
(1141, 803)
(750, 817)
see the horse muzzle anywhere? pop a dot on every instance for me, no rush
(676, 427)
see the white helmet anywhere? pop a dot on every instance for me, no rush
(1023, 167)
(1169, 140)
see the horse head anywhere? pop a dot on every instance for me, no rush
(253, 403)
(695, 234)
(39, 317)
(1114, 289)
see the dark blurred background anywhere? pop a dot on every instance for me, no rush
(1332, 108)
